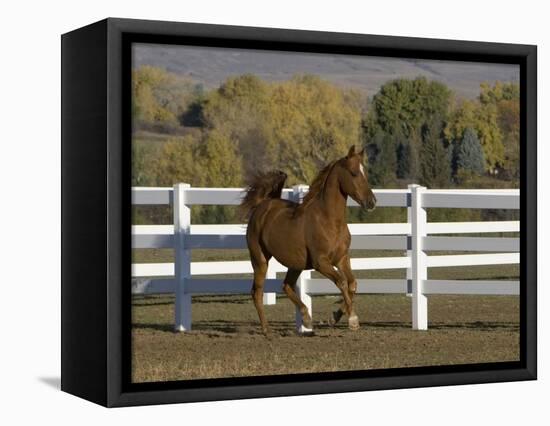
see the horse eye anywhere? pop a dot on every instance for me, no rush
(354, 174)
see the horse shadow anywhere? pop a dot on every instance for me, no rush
(286, 328)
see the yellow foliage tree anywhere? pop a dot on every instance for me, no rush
(313, 122)
(176, 163)
(297, 125)
(218, 161)
(159, 97)
(484, 120)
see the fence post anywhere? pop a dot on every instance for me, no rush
(409, 248)
(270, 298)
(182, 258)
(301, 284)
(418, 262)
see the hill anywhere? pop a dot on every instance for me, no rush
(212, 66)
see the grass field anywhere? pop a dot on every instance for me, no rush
(226, 340)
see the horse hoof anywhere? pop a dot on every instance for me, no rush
(353, 323)
(307, 322)
(334, 318)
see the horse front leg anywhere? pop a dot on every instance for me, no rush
(344, 266)
(325, 267)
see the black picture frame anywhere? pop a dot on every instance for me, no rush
(96, 201)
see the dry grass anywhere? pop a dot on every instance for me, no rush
(226, 341)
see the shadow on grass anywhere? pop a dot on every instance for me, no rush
(477, 325)
(221, 326)
(222, 299)
(286, 328)
(156, 327)
(145, 303)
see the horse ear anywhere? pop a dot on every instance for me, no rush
(351, 151)
(362, 152)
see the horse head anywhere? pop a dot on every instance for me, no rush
(353, 179)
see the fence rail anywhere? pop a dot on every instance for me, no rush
(414, 238)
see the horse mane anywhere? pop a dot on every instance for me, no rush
(261, 186)
(317, 186)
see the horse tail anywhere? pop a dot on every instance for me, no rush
(262, 186)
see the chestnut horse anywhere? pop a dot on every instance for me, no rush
(311, 235)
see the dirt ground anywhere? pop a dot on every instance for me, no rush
(226, 340)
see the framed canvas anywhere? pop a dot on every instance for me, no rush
(255, 212)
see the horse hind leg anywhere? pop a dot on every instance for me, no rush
(259, 264)
(289, 287)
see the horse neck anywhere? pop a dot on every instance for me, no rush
(331, 199)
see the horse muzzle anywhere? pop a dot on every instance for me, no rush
(369, 203)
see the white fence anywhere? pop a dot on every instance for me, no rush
(414, 237)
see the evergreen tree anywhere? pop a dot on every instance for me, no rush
(468, 153)
(383, 160)
(407, 157)
(434, 159)
(483, 118)
(403, 154)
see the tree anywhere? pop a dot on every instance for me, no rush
(495, 118)
(210, 159)
(219, 165)
(312, 123)
(207, 160)
(297, 125)
(498, 92)
(399, 110)
(407, 156)
(483, 119)
(176, 162)
(434, 160)
(159, 98)
(141, 157)
(468, 154)
(218, 162)
(402, 106)
(505, 98)
(382, 160)
(240, 109)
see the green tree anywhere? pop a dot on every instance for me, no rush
(498, 92)
(382, 160)
(505, 98)
(484, 119)
(407, 156)
(434, 159)
(402, 106)
(468, 154)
